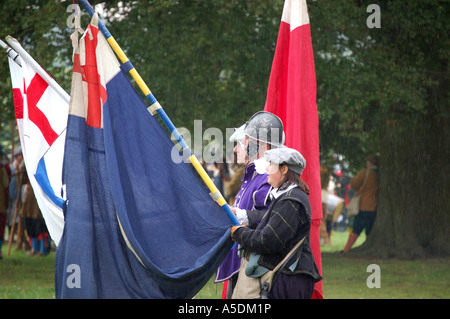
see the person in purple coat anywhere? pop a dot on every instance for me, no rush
(262, 132)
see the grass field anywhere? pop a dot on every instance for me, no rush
(344, 278)
(24, 277)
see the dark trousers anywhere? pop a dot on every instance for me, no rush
(293, 287)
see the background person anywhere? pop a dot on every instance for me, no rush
(4, 183)
(368, 200)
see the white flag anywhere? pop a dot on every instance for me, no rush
(41, 107)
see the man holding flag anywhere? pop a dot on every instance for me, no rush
(292, 96)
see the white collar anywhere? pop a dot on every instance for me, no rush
(276, 193)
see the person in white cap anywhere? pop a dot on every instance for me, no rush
(286, 222)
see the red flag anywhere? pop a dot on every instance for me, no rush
(292, 96)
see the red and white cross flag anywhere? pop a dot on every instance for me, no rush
(41, 108)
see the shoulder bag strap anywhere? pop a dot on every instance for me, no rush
(278, 268)
(288, 256)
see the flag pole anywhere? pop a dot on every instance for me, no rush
(11, 53)
(155, 107)
(17, 49)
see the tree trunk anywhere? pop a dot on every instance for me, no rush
(413, 215)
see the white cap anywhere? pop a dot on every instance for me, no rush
(238, 134)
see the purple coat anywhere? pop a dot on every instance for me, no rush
(253, 195)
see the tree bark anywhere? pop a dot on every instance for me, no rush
(413, 214)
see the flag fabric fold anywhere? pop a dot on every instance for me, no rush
(138, 225)
(292, 96)
(41, 108)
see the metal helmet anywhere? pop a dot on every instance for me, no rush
(265, 127)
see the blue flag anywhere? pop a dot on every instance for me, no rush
(137, 224)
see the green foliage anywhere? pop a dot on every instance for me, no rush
(370, 78)
(207, 60)
(40, 26)
(211, 60)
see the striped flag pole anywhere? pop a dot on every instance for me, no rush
(155, 107)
